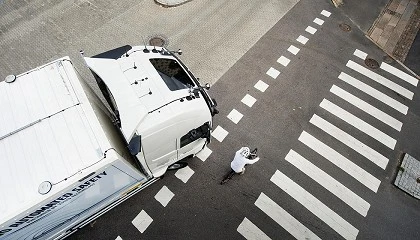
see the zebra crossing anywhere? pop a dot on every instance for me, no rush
(383, 107)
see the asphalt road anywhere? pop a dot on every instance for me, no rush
(345, 193)
(293, 191)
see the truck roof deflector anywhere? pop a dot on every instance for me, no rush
(131, 111)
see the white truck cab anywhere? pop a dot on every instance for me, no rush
(70, 153)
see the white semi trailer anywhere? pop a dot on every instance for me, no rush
(68, 157)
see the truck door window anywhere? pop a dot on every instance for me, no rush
(172, 73)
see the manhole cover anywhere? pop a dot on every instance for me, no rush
(157, 41)
(371, 63)
(345, 27)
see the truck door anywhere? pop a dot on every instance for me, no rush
(160, 149)
(193, 141)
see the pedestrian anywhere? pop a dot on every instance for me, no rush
(242, 158)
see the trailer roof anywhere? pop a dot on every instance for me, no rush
(48, 132)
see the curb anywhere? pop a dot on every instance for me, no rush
(171, 3)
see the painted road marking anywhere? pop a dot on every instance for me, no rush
(350, 141)
(318, 208)
(262, 86)
(219, 133)
(326, 13)
(319, 21)
(248, 100)
(340, 161)
(302, 39)
(272, 72)
(398, 73)
(283, 218)
(379, 79)
(184, 174)
(374, 93)
(235, 116)
(142, 221)
(164, 196)
(310, 30)
(360, 54)
(204, 154)
(294, 50)
(358, 123)
(250, 231)
(283, 61)
(118, 238)
(369, 109)
(328, 182)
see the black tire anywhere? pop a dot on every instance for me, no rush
(177, 165)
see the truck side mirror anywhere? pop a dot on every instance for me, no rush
(207, 86)
(135, 145)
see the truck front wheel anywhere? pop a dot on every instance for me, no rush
(177, 165)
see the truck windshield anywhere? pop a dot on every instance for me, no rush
(172, 73)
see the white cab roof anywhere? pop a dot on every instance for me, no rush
(135, 85)
(48, 132)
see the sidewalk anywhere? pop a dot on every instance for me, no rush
(396, 27)
(408, 177)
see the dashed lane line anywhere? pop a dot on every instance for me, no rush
(310, 30)
(219, 133)
(272, 72)
(164, 196)
(262, 86)
(283, 61)
(248, 100)
(142, 221)
(235, 116)
(302, 39)
(184, 174)
(294, 50)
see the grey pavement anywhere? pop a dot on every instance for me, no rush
(212, 34)
(408, 177)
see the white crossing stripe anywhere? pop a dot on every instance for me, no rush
(350, 141)
(283, 218)
(294, 50)
(164, 196)
(374, 93)
(235, 116)
(302, 39)
(204, 154)
(142, 221)
(398, 73)
(248, 100)
(219, 133)
(358, 123)
(283, 61)
(381, 80)
(325, 13)
(250, 231)
(318, 208)
(318, 21)
(340, 161)
(328, 182)
(371, 110)
(360, 54)
(310, 30)
(118, 238)
(272, 72)
(184, 174)
(260, 85)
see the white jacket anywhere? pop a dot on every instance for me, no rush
(239, 162)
